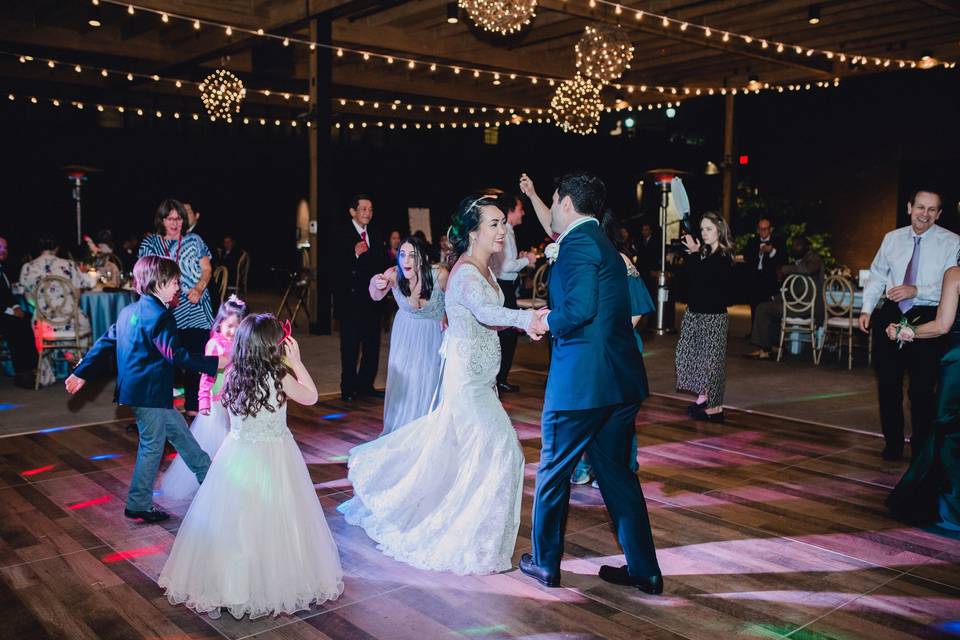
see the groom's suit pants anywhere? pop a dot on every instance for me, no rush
(605, 434)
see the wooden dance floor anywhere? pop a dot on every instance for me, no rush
(766, 528)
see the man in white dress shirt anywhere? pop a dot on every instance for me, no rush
(507, 266)
(905, 280)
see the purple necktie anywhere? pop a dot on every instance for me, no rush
(910, 277)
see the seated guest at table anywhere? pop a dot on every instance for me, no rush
(230, 257)
(128, 253)
(49, 264)
(907, 274)
(15, 329)
(103, 244)
(767, 316)
(763, 255)
(506, 266)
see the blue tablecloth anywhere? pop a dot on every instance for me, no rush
(103, 308)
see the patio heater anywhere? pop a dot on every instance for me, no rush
(666, 179)
(77, 175)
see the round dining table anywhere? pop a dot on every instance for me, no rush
(103, 307)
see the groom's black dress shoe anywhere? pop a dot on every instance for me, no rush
(528, 567)
(374, 393)
(154, 515)
(619, 575)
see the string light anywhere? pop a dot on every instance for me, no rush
(576, 105)
(603, 53)
(638, 15)
(500, 16)
(221, 93)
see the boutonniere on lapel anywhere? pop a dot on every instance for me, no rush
(551, 252)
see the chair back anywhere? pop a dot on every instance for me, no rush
(799, 293)
(539, 289)
(837, 298)
(220, 276)
(57, 302)
(243, 269)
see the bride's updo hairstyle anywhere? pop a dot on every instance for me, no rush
(467, 219)
(256, 367)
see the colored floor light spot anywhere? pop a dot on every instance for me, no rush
(52, 429)
(105, 456)
(130, 554)
(33, 472)
(333, 416)
(338, 458)
(170, 456)
(483, 631)
(89, 503)
(6, 406)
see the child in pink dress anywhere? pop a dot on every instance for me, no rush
(212, 424)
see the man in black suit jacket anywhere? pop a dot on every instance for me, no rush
(764, 254)
(359, 252)
(15, 328)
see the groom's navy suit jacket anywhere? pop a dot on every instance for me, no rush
(595, 361)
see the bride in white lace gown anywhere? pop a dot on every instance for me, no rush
(443, 493)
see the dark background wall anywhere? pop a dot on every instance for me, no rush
(844, 158)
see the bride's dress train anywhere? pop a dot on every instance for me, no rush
(443, 493)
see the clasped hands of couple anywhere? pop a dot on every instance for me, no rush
(538, 325)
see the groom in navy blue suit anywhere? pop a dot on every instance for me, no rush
(594, 389)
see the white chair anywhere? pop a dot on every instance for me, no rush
(838, 317)
(58, 323)
(239, 285)
(538, 291)
(799, 294)
(220, 276)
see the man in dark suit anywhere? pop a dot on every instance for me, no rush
(764, 254)
(15, 328)
(359, 253)
(594, 389)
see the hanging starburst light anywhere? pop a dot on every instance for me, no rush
(604, 53)
(576, 105)
(222, 93)
(500, 16)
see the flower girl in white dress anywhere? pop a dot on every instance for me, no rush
(255, 540)
(212, 424)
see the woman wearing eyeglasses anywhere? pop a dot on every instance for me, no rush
(192, 308)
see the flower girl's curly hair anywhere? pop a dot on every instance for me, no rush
(256, 367)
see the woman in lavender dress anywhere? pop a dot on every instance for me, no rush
(413, 368)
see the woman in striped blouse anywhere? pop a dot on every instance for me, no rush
(192, 309)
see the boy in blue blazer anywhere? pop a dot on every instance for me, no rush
(147, 350)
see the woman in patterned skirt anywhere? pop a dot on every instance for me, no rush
(192, 310)
(702, 349)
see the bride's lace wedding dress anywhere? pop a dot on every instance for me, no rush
(443, 492)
